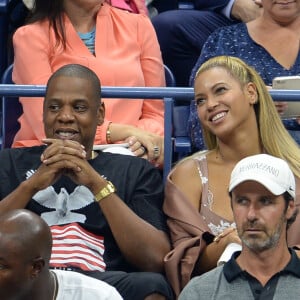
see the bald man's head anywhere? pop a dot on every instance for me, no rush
(25, 250)
(24, 231)
(78, 71)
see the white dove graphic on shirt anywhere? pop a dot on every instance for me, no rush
(63, 203)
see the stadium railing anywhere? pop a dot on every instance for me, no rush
(168, 94)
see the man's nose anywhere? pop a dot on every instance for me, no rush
(252, 213)
(66, 114)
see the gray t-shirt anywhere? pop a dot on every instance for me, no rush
(229, 282)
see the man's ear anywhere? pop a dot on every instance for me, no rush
(251, 93)
(291, 209)
(38, 265)
(101, 114)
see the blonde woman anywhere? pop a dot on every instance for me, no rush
(260, 44)
(239, 119)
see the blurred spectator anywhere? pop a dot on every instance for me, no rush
(25, 250)
(182, 33)
(120, 47)
(258, 43)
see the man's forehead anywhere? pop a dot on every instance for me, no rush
(69, 87)
(69, 78)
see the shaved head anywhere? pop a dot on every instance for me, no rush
(26, 232)
(78, 71)
(25, 251)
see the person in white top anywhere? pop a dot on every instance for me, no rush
(25, 250)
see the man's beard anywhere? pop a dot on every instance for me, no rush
(258, 244)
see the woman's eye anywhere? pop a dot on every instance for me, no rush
(221, 89)
(200, 101)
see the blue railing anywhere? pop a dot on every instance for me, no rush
(168, 94)
(187, 94)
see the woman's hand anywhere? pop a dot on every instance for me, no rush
(212, 253)
(149, 146)
(141, 142)
(281, 107)
(246, 10)
(228, 236)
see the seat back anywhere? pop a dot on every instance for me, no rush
(170, 78)
(182, 143)
(180, 115)
(186, 4)
(179, 118)
(11, 111)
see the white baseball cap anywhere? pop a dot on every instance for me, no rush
(272, 172)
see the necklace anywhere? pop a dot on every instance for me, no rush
(55, 285)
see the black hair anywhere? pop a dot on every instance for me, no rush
(51, 10)
(287, 198)
(79, 71)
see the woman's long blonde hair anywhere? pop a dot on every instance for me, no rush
(275, 139)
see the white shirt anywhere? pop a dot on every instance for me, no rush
(76, 286)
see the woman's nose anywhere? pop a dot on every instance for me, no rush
(212, 102)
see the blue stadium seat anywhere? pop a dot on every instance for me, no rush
(186, 4)
(182, 142)
(170, 78)
(180, 114)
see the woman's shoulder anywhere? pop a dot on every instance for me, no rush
(131, 24)
(190, 163)
(124, 15)
(230, 31)
(36, 28)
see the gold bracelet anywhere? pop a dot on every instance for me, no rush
(108, 134)
(223, 234)
(104, 192)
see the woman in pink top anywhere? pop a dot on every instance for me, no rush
(119, 46)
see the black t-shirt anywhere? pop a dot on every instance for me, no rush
(82, 236)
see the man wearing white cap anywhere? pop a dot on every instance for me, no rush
(262, 190)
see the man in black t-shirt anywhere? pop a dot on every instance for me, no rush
(104, 209)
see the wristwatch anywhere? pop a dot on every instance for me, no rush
(104, 192)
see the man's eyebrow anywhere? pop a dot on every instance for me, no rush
(72, 100)
(80, 99)
(52, 99)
